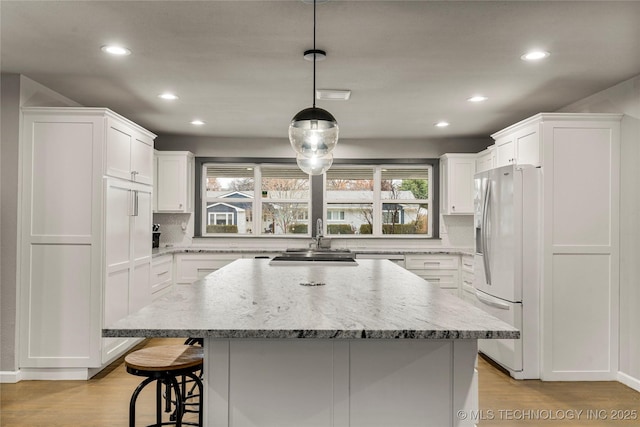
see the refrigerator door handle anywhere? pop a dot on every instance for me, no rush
(491, 302)
(485, 234)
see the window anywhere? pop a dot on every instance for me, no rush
(232, 193)
(379, 200)
(333, 215)
(357, 198)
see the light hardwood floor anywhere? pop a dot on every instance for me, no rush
(504, 402)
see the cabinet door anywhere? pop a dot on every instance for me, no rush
(527, 146)
(485, 161)
(505, 152)
(118, 211)
(141, 233)
(142, 159)
(172, 183)
(461, 188)
(118, 149)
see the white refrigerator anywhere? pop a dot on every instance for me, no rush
(507, 262)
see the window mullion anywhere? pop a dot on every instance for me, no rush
(377, 205)
(257, 200)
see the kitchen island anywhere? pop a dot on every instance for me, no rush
(369, 344)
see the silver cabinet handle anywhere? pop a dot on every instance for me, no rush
(135, 206)
(496, 304)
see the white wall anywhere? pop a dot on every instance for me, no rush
(16, 91)
(625, 98)
(346, 148)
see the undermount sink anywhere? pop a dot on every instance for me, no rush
(340, 256)
(319, 251)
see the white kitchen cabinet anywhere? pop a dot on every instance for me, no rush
(394, 258)
(84, 261)
(519, 144)
(128, 255)
(505, 151)
(467, 291)
(174, 182)
(579, 298)
(161, 275)
(129, 151)
(485, 160)
(193, 266)
(440, 270)
(456, 182)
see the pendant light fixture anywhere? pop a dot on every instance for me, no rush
(313, 132)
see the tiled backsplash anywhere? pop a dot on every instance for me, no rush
(457, 230)
(176, 228)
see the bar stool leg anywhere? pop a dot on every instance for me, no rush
(200, 386)
(179, 402)
(134, 397)
(159, 402)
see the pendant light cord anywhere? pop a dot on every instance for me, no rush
(314, 53)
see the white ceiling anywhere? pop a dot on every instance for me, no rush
(238, 65)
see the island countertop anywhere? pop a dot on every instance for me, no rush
(250, 298)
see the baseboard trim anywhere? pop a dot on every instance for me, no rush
(54, 374)
(10, 377)
(629, 381)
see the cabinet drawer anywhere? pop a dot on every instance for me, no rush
(161, 273)
(161, 264)
(190, 268)
(431, 262)
(467, 282)
(467, 263)
(443, 278)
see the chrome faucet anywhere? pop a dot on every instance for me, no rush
(319, 235)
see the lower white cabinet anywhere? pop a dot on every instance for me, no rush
(441, 270)
(191, 267)
(467, 291)
(128, 255)
(396, 259)
(161, 275)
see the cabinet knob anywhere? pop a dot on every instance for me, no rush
(453, 208)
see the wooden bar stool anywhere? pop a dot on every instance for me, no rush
(163, 364)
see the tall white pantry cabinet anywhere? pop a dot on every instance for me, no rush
(85, 236)
(579, 155)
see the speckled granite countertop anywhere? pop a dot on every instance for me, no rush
(195, 250)
(250, 298)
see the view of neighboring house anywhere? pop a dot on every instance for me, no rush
(234, 213)
(348, 212)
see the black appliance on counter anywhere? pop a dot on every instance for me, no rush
(155, 236)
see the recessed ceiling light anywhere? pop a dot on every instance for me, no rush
(168, 96)
(441, 124)
(333, 94)
(116, 50)
(477, 98)
(197, 122)
(535, 55)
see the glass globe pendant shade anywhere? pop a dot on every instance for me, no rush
(313, 132)
(316, 165)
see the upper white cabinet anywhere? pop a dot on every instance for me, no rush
(129, 151)
(486, 159)
(174, 182)
(85, 237)
(518, 144)
(456, 180)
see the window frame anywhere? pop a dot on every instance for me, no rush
(377, 203)
(318, 204)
